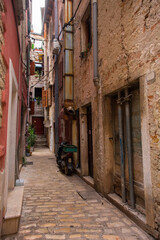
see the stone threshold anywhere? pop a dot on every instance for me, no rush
(89, 180)
(134, 215)
(14, 208)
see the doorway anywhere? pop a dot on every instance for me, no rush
(122, 150)
(37, 123)
(11, 132)
(90, 143)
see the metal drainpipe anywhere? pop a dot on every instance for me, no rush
(95, 42)
(28, 78)
(56, 84)
(121, 147)
(128, 131)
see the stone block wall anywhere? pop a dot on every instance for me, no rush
(83, 74)
(128, 41)
(153, 95)
(2, 65)
(129, 48)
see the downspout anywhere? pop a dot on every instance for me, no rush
(56, 83)
(28, 69)
(128, 131)
(121, 148)
(95, 42)
(99, 152)
(28, 78)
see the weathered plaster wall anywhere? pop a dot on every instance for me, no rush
(8, 52)
(2, 65)
(128, 34)
(2, 83)
(10, 39)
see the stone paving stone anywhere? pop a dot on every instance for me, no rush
(32, 237)
(111, 237)
(53, 209)
(42, 230)
(55, 236)
(91, 236)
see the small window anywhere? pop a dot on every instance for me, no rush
(38, 92)
(86, 31)
(38, 68)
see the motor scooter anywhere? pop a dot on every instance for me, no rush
(65, 157)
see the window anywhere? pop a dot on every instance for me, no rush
(86, 32)
(38, 68)
(38, 92)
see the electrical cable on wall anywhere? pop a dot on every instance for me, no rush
(69, 23)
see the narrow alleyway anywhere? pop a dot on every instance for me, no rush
(61, 207)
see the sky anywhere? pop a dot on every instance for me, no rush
(36, 15)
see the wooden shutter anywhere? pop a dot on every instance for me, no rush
(32, 68)
(49, 97)
(44, 98)
(32, 107)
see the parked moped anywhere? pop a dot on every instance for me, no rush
(65, 157)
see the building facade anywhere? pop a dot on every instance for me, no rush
(36, 84)
(108, 98)
(15, 17)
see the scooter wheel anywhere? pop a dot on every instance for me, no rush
(67, 171)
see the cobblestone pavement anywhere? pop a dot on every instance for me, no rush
(64, 207)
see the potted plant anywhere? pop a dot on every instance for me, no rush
(31, 139)
(38, 99)
(28, 148)
(36, 74)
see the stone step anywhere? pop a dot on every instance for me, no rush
(41, 140)
(40, 147)
(14, 207)
(40, 144)
(40, 136)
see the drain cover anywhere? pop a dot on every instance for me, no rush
(89, 195)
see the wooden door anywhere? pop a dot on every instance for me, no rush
(90, 145)
(37, 123)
